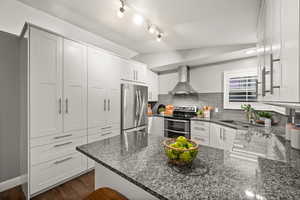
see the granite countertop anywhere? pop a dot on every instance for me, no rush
(216, 174)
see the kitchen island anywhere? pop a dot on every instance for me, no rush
(136, 166)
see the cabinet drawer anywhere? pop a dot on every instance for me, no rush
(201, 140)
(57, 138)
(50, 173)
(103, 130)
(102, 136)
(56, 150)
(200, 123)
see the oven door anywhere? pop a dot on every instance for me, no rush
(177, 127)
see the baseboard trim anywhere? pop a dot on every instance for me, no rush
(11, 183)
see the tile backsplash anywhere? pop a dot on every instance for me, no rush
(210, 99)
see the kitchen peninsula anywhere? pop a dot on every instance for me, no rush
(135, 165)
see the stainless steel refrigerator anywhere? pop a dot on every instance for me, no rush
(134, 100)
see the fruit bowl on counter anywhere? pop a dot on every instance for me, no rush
(181, 151)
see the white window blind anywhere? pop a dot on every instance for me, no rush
(243, 89)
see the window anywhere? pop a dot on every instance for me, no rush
(243, 89)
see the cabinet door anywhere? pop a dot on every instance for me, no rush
(228, 135)
(127, 70)
(114, 106)
(215, 139)
(290, 51)
(99, 64)
(113, 72)
(140, 70)
(75, 86)
(45, 83)
(97, 107)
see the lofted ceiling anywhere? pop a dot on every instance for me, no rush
(187, 24)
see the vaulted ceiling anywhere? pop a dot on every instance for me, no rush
(187, 24)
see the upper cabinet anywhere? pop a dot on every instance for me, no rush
(134, 71)
(152, 82)
(278, 51)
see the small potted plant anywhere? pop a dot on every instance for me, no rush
(250, 112)
(265, 118)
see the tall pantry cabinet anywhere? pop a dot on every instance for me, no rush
(56, 109)
(70, 96)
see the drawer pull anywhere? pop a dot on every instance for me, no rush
(64, 144)
(63, 136)
(199, 129)
(103, 134)
(197, 138)
(63, 160)
(108, 127)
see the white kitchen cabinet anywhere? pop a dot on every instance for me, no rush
(221, 137)
(215, 139)
(103, 89)
(57, 77)
(75, 86)
(278, 43)
(200, 132)
(156, 125)
(46, 115)
(152, 82)
(134, 71)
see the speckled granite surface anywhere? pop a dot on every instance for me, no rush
(216, 174)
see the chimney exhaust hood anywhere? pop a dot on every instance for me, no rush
(183, 86)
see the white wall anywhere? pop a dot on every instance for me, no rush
(13, 15)
(209, 79)
(9, 107)
(206, 79)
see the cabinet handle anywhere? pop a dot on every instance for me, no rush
(224, 134)
(108, 102)
(64, 144)
(108, 127)
(134, 75)
(263, 81)
(272, 60)
(63, 136)
(108, 133)
(61, 161)
(67, 106)
(200, 129)
(59, 106)
(221, 134)
(104, 108)
(137, 75)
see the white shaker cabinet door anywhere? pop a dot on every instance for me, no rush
(75, 86)
(45, 83)
(97, 107)
(228, 136)
(114, 106)
(215, 139)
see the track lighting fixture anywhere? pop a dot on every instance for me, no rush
(140, 20)
(159, 37)
(151, 29)
(121, 11)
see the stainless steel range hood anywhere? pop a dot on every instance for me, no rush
(183, 86)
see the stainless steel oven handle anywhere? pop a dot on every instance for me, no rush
(177, 120)
(186, 133)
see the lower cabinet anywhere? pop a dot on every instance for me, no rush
(211, 134)
(156, 125)
(200, 132)
(221, 137)
(54, 159)
(101, 133)
(53, 172)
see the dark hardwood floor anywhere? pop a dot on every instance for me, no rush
(76, 189)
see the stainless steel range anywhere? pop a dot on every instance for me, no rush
(180, 123)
